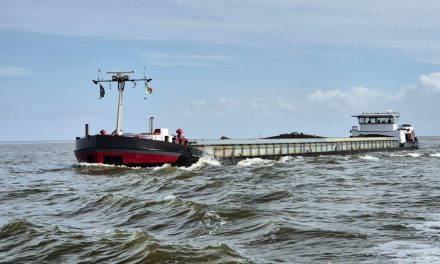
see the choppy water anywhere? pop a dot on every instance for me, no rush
(375, 208)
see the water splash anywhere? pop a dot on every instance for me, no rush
(256, 162)
(414, 155)
(102, 165)
(368, 157)
(169, 198)
(207, 158)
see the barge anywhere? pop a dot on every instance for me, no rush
(376, 132)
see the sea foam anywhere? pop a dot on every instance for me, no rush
(368, 157)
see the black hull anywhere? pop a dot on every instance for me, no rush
(131, 151)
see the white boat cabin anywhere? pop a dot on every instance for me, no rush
(383, 124)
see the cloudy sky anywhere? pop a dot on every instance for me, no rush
(220, 68)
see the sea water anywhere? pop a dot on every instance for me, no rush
(372, 208)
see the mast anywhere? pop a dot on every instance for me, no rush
(121, 86)
(121, 78)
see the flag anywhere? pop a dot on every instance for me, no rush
(101, 91)
(148, 89)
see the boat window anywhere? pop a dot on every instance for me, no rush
(378, 120)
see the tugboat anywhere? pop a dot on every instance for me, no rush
(143, 149)
(385, 124)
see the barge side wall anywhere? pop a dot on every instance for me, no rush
(232, 151)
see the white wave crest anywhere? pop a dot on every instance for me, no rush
(212, 217)
(286, 159)
(289, 159)
(101, 165)
(256, 162)
(397, 155)
(437, 155)
(85, 164)
(165, 166)
(414, 155)
(368, 157)
(200, 163)
(169, 198)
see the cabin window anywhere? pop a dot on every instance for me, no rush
(378, 120)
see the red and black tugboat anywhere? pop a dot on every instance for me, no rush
(143, 149)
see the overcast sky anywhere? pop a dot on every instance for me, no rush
(220, 68)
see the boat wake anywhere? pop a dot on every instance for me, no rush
(101, 165)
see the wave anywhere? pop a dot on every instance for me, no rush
(169, 198)
(22, 241)
(428, 228)
(266, 197)
(165, 253)
(102, 165)
(39, 168)
(16, 227)
(286, 234)
(164, 168)
(437, 155)
(102, 169)
(114, 205)
(202, 162)
(256, 162)
(286, 159)
(368, 157)
(407, 251)
(25, 193)
(414, 155)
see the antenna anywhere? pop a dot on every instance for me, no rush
(120, 72)
(120, 77)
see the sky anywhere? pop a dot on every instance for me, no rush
(235, 68)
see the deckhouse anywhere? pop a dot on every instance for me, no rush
(383, 124)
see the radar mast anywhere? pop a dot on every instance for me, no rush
(121, 77)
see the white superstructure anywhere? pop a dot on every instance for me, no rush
(383, 124)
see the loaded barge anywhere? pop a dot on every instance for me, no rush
(376, 132)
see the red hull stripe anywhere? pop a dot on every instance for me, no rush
(127, 158)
